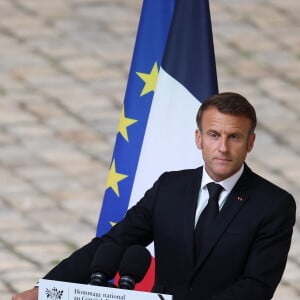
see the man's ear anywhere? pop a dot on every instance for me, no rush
(251, 141)
(198, 138)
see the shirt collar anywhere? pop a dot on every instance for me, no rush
(227, 183)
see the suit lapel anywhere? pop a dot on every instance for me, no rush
(190, 203)
(235, 201)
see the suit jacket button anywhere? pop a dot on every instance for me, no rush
(191, 288)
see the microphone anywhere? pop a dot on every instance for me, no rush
(105, 264)
(133, 266)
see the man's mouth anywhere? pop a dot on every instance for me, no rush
(222, 159)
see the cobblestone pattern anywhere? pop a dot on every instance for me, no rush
(63, 70)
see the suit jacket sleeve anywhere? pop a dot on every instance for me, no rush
(268, 255)
(135, 228)
(76, 268)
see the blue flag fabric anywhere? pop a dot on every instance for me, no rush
(189, 55)
(149, 48)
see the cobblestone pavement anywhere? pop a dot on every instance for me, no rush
(63, 70)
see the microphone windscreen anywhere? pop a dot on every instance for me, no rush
(107, 260)
(135, 262)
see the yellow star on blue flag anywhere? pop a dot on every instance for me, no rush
(114, 178)
(150, 80)
(124, 123)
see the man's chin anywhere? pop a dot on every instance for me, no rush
(222, 172)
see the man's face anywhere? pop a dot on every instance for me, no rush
(225, 141)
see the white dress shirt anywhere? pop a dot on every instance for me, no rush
(227, 185)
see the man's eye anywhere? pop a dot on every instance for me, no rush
(213, 135)
(234, 137)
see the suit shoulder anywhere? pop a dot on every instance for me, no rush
(265, 184)
(272, 190)
(180, 175)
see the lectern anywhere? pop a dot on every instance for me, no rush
(59, 290)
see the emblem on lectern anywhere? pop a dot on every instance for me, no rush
(54, 294)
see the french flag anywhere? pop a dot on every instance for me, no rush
(173, 69)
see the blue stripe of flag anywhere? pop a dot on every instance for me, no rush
(189, 56)
(149, 48)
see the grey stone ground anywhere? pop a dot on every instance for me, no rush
(63, 70)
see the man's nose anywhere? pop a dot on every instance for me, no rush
(223, 146)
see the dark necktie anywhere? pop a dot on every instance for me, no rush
(207, 216)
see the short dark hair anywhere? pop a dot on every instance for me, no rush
(229, 103)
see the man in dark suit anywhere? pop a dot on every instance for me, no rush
(232, 245)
